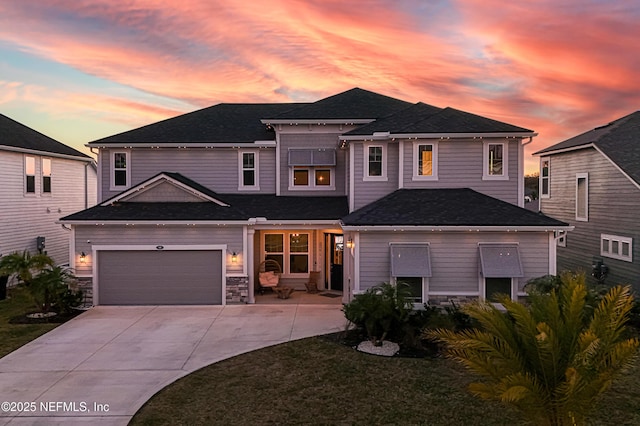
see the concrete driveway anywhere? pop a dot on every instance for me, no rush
(103, 365)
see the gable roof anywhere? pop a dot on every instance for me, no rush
(421, 118)
(354, 104)
(21, 137)
(231, 123)
(618, 140)
(446, 208)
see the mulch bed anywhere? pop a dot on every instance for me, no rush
(59, 318)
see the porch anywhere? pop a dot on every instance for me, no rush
(300, 297)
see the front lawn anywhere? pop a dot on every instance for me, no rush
(317, 381)
(12, 336)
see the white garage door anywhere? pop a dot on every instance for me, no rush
(159, 277)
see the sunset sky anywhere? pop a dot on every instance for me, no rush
(79, 70)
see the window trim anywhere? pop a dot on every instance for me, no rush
(112, 169)
(49, 175)
(547, 178)
(434, 161)
(584, 176)
(367, 176)
(241, 170)
(485, 161)
(425, 290)
(286, 246)
(620, 240)
(27, 175)
(312, 179)
(483, 288)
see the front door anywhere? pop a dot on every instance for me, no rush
(334, 256)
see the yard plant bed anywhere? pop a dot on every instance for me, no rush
(320, 381)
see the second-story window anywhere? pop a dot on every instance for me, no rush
(120, 170)
(46, 175)
(248, 170)
(582, 197)
(375, 162)
(544, 178)
(30, 174)
(425, 165)
(495, 161)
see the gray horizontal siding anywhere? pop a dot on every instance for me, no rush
(454, 257)
(460, 165)
(217, 169)
(157, 235)
(366, 192)
(614, 202)
(23, 217)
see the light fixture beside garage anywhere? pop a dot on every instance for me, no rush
(83, 257)
(234, 257)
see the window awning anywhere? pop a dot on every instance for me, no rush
(410, 260)
(500, 261)
(312, 157)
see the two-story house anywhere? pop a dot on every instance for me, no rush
(592, 181)
(360, 187)
(42, 180)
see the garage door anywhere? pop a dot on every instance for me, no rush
(159, 277)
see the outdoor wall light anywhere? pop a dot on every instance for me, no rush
(83, 257)
(234, 257)
(350, 243)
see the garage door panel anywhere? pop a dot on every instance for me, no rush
(160, 277)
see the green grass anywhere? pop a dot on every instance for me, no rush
(12, 336)
(316, 381)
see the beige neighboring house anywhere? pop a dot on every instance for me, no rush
(42, 180)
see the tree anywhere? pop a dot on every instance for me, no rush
(550, 359)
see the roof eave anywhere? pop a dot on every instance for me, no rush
(320, 121)
(135, 222)
(385, 135)
(562, 150)
(457, 228)
(128, 145)
(45, 153)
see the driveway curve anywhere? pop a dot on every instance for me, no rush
(103, 365)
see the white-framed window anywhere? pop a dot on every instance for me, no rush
(29, 174)
(411, 266)
(120, 170)
(290, 249)
(582, 197)
(248, 170)
(616, 247)
(375, 162)
(425, 161)
(561, 238)
(545, 168)
(312, 169)
(46, 175)
(495, 161)
(494, 286)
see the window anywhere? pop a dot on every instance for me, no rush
(30, 174)
(495, 286)
(582, 197)
(375, 164)
(312, 168)
(292, 258)
(616, 247)
(248, 170)
(411, 265)
(46, 175)
(495, 161)
(544, 178)
(120, 173)
(500, 264)
(425, 161)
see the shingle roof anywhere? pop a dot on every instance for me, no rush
(619, 140)
(423, 118)
(289, 208)
(445, 207)
(222, 123)
(18, 135)
(352, 104)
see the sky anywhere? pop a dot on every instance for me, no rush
(79, 70)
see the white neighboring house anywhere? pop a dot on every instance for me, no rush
(42, 180)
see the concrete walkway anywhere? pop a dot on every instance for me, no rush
(103, 365)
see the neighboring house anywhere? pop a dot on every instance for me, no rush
(361, 187)
(42, 180)
(593, 182)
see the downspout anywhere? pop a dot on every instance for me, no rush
(521, 173)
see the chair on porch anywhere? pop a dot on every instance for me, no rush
(312, 282)
(269, 273)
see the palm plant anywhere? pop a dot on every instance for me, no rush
(24, 265)
(550, 359)
(49, 286)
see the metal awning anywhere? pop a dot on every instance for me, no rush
(500, 261)
(410, 260)
(312, 157)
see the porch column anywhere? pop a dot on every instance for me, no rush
(249, 263)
